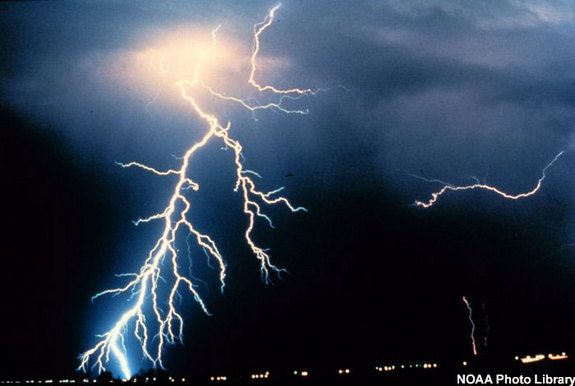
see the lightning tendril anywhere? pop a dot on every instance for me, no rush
(478, 185)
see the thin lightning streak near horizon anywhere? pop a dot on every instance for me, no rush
(164, 324)
(478, 185)
(487, 327)
(469, 309)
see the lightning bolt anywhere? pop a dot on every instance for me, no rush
(478, 185)
(468, 305)
(165, 326)
(487, 327)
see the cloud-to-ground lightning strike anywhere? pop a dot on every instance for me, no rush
(166, 324)
(470, 310)
(478, 185)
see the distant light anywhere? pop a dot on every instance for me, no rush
(529, 359)
(557, 357)
(260, 375)
(464, 363)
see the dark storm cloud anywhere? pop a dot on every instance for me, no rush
(452, 88)
(443, 89)
(431, 86)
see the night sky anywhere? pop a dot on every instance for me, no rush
(447, 90)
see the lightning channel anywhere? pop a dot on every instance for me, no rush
(482, 186)
(470, 316)
(487, 327)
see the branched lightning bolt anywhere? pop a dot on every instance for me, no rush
(478, 185)
(164, 325)
(468, 305)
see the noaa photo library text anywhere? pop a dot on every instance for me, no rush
(504, 379)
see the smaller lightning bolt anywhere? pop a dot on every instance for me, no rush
(468, 305)
(478, 185)
(487, 327)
